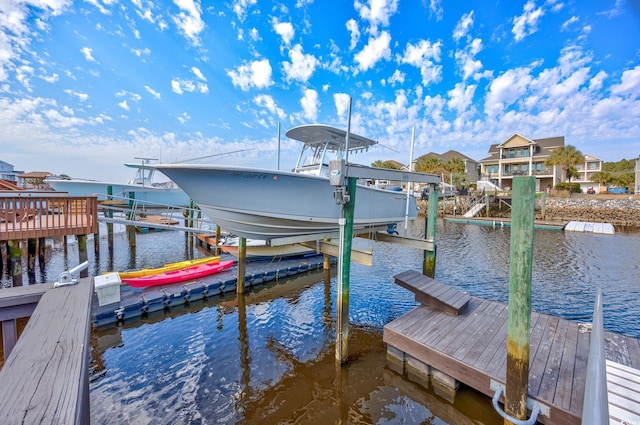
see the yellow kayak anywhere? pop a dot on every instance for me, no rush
(167, 267)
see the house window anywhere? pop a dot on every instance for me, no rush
(593, 165)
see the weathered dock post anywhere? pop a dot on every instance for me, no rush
(344, 270)
(429, 263)
(82, 254)
(109, 224)
(519, 307)
(15, 261)
(242, 264)
(216, 250)
(31, 260)
(487, 207)
(41, 257)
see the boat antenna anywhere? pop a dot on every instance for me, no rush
(406, 210)
(278, 145)
(346, 142)
(215, 154)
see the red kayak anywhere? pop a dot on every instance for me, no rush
(175, 276)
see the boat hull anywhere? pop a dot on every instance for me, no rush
(180, 275)
(267, 204)
(147, 194)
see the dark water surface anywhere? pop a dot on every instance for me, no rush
(268, 357)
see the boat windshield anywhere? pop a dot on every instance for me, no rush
(312, 160)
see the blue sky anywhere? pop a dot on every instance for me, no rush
(88, 85)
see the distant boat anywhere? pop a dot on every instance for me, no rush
(179, 275)
(266, 204)
(142, 187)
(167, 267)
(256, 248)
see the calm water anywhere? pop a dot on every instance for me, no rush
(268, 357)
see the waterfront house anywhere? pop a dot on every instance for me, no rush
(519, 155)
(470, 165)
(590, 166)
(7, 172)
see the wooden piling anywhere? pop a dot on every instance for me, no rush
(487, 207)
(31, 260)
(42, 250)
(429, 263)
(82, 254)
(15, 261)
(344, 270)
(242, 264)
(216, 250)
(519, 309)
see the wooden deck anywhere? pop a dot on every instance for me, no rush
(45, 378)
(24, 216)
(471, 348)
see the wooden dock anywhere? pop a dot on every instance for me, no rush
(471, 348)
(45, 378)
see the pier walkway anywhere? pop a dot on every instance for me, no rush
(471, 348)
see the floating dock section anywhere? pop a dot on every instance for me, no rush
(581, 226)
(134, 303)
(467, 343)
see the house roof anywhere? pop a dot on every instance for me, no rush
(444, 157)
(8, 185)
(543, 146)
(34, 175)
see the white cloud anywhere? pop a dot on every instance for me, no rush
(566, 24)
(630, 83)
(87, 52)
(240, 8)
(352, 27)
(527, 23)
(376, 50)
(189, 21)
(301, 66)
(461, 97)
(341, 101)
(184, 117)
(198, 73)
(153, 93)
(266, 101)
(179, 86)
(463, 26)
(397, 77)
(310, 104)
(376, 12)
(254, 74)
(124, 105)
(82, 97)
(141, 52)
(284, 30)
(507, 89)
(422, 56)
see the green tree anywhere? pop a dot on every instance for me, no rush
(565, 157)
(572, 172)
(385, 164)
(428, 164)
(601, 177)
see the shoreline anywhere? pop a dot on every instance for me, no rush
(622, 211)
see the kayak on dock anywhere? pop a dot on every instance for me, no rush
(179, 275)
(166, 268)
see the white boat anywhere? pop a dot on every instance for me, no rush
(257, 248)
(142, 187)
(265, 204)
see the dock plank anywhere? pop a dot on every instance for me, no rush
(45, 379)
(564, 384)
(431, 292)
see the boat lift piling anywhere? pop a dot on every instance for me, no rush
(429, 263)
(344, 178)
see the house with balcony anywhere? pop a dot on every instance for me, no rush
(518, 156)
(7, 172)
(591, 165)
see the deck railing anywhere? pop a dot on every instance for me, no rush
(595, 409)
(24, 216)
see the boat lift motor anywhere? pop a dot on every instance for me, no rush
(337, 179)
